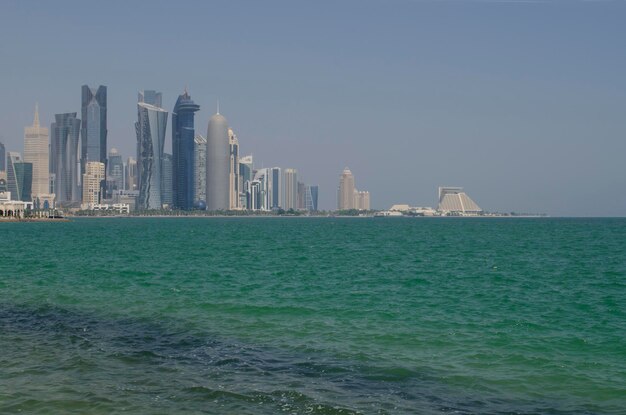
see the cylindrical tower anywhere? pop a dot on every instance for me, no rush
(217, 164)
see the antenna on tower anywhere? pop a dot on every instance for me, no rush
(218, 105)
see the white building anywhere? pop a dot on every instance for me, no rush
(92, 183)
(454, 201)
(36, 151)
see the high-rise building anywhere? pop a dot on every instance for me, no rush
(275, 187)
(115, 173)
(311, 194)
(260, 196)
(345, 193)
(19, 177)
(37, 152)
(362, 200)
(131, 174)
(92, 184)
(217, 164)
(233, 175)
(200, 170)
(167, 185)
(246, 168)
(150, 128)
(301, 196)
(183, 145)
(65, 133)
(94, 125)
(3, 158)
(290, 189)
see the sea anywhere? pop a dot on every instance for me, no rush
(313, 316)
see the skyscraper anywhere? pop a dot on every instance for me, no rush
(115, 173)
(92, 184)
(217, 164)
(37, 152)
(345, 194)
(19, 177)
(3, 158)
(362, 200)
(183, 144)
(94, 125)
(246, 169)
(311, 198)
(290, 189)
(150, 128)
(200, 170)
(233, 175)
(167, 187)
(275, 188)
(131, 174)
(64, 157)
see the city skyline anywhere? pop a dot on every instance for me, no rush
(483, 103)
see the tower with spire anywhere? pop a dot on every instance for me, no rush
(36, 151)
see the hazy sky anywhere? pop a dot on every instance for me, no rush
(523, 103)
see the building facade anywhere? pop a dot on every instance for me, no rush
(217, 164)
(345, 193)
(233, 174)
(130, 171)
(64, 163)
(3, 158)
(37, 152)
(115, 172)
(183, 154)
(167, 185)
(246, 174)
(290, 189)
(19, 177)
(94, 125)
(200, 171)
(92, 184)
(150, 128)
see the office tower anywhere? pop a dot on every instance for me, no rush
(167, 185)
(150, 128)
(19, 177)
(37, 152)
(361, 200)
(246, 168)
(200, 170)
(151, 97)
(115, 174)
(3, 158)
(455, 201)
(254, 196)
(94, 125)
(260, 197)
(275, 187)
(92, 184)
(300, 203)
(345, 194)
(183, 154)
(65, 133)
(131, 174)
(217, 164)
(290, 189)
(311, 198)
(233, 175)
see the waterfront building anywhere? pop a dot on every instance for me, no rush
(115, 173)
(94, 125)
(233, 175)
(261, 190)
(150, 128)
(254, 195)
(93, 179)
(362, 200)
(199, 170)
(217, 164)
(3, 158)
(183, 154)
(37, 152)
(454, 201)
(345, 193)
(275, 188)
(300, 204)
(65, 133)
(311, 195)
(19, 177)
(167, 185)
(131, 174)
(290, 189)
(246, 174)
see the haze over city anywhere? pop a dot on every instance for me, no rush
(521, 103)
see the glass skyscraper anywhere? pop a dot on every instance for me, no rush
(94, 127)
(150, 128)
(183, 134)
(19, 178)
(65, 133)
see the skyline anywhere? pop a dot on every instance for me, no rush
(535, 91)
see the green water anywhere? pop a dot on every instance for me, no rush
(308, 315)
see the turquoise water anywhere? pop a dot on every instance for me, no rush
(313, 315)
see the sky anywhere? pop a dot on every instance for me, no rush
(521, 102)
